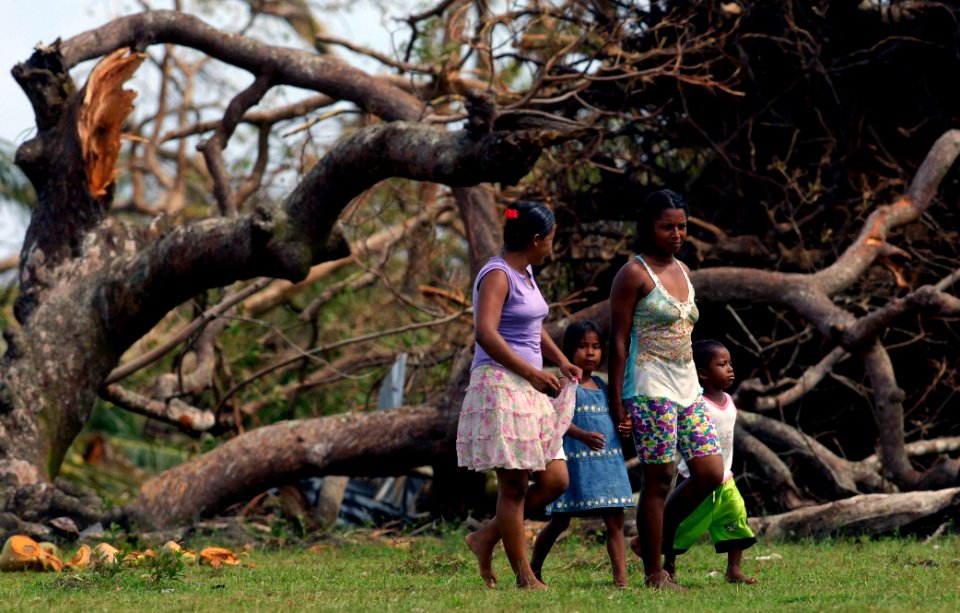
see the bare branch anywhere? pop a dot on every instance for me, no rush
(336, 345)
(175, 412)
(807, 381)
(213, 147)
(158, 352)
(334, 371)
(281, 290)
(10, 262)
(261, 118)
(380, 57)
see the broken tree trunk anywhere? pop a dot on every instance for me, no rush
(865, 514)
(380, 443)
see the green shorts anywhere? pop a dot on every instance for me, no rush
(724, 515)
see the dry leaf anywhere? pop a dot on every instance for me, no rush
(103, 554)
(21, 553)
(81, 559)
(215, 556)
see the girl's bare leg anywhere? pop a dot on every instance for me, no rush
(558, 523)
(481, 543)
(510, 503)
(706, 474)
(550, 483)
(734, 574)
(616, 546)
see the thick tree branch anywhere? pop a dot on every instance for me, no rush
(866, 514)
(284, 241)
(405, 438)
(947, 444)
(888, 410)
(281, 290)
(751, 394)
(863, 252)
(288, 66)
(841, 477)
(929, 299)
(779, 478)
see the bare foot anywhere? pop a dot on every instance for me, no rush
(671, 570)
(620, 577)
(635, 546)
(530, 582)
(661, 581)
(484, 552)
(738, 577)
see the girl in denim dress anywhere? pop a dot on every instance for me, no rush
(598, 475)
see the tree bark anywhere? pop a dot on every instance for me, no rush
(379, 443)
(865, 514)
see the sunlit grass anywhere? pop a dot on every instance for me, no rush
(360, 572)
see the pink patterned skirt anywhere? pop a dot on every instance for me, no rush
(506, 423)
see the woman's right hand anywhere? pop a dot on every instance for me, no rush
(544, 382)
(622, 417)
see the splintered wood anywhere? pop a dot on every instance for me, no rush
(106, 106)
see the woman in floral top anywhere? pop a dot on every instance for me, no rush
(653, 391)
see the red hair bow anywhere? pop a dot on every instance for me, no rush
(511, 213)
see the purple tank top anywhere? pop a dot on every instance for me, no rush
(522, 317)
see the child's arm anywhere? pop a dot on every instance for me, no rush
(593, 440)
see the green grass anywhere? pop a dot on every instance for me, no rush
(363, 573)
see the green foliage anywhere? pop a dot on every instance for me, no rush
(14, 186)
(164, 568)
(147, 573)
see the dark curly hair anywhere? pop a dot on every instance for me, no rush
(703, 352)
(654, 204)
(531, 219)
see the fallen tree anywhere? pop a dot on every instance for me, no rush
(90, 279)
(863, 514)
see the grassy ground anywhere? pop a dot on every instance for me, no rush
(360, 571)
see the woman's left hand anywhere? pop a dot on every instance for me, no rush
(571, 371)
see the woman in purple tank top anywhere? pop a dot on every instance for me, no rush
(507, 421)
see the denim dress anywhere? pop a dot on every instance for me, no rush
(598, 479)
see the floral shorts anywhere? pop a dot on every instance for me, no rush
(662, 426)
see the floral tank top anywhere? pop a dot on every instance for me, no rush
(661, 349)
